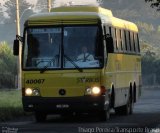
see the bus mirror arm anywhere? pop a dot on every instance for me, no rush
(20, 38)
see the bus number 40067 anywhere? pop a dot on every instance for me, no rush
(35, 81)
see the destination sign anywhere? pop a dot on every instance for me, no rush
(45, 30)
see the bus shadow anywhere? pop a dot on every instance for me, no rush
(134, 119)
(80, 118)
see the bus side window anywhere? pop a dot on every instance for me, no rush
(108, 30)
(138, 43)
(114, 39)
(132, 42)
(130, 47)
(137, 48)
(119, 40)
(125, 37)
(109, 40)
(128, 41)
(123, 41)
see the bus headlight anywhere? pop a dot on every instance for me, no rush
(36, 92)
(93, 91)
(28, 91)
(96, 90)
(32, 92)
(88, 91)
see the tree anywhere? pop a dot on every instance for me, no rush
(8, 69)
(7, 58)
(158, 30)
(41, 5)
(24, 12)
(154, 3)
(1, 14)
(11, 8)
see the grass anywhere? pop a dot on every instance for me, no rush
(10, 104)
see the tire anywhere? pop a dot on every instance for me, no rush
(124, 110)
(134, 93)
(131, 105)
(40, 117)
(112, 99)
(131, 108)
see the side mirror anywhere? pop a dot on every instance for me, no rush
(16, 47)
(109, 44)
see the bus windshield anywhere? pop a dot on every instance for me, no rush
(67, 47)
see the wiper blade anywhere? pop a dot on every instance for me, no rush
(53, 60)
(76, 66)
(45, 67)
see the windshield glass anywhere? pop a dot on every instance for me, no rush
(63, 47)
(82, 45)
(42, 48)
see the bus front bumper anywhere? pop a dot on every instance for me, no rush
(65, 104)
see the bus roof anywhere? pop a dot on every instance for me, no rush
(83, 9)
(58, 18)
(78, 15)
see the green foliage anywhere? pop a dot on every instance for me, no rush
(10, 104)
(42, 5)
(140, 13)
(150, 70)
(126, 13)
(7, 59)
(154, 3)
(10, 6)
(144, 27)
(8, 68)
(158, 29)
(149, 33)
(1, 14)
(150, 64)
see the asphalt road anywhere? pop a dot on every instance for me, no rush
(146, 119)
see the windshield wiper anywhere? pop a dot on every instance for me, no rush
(76, 66)
(53, 60)
(48, 64)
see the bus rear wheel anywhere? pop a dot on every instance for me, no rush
(40, 117)
(126, 109)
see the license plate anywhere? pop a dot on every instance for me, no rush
(62, 106)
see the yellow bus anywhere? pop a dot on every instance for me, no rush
(79, 59)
